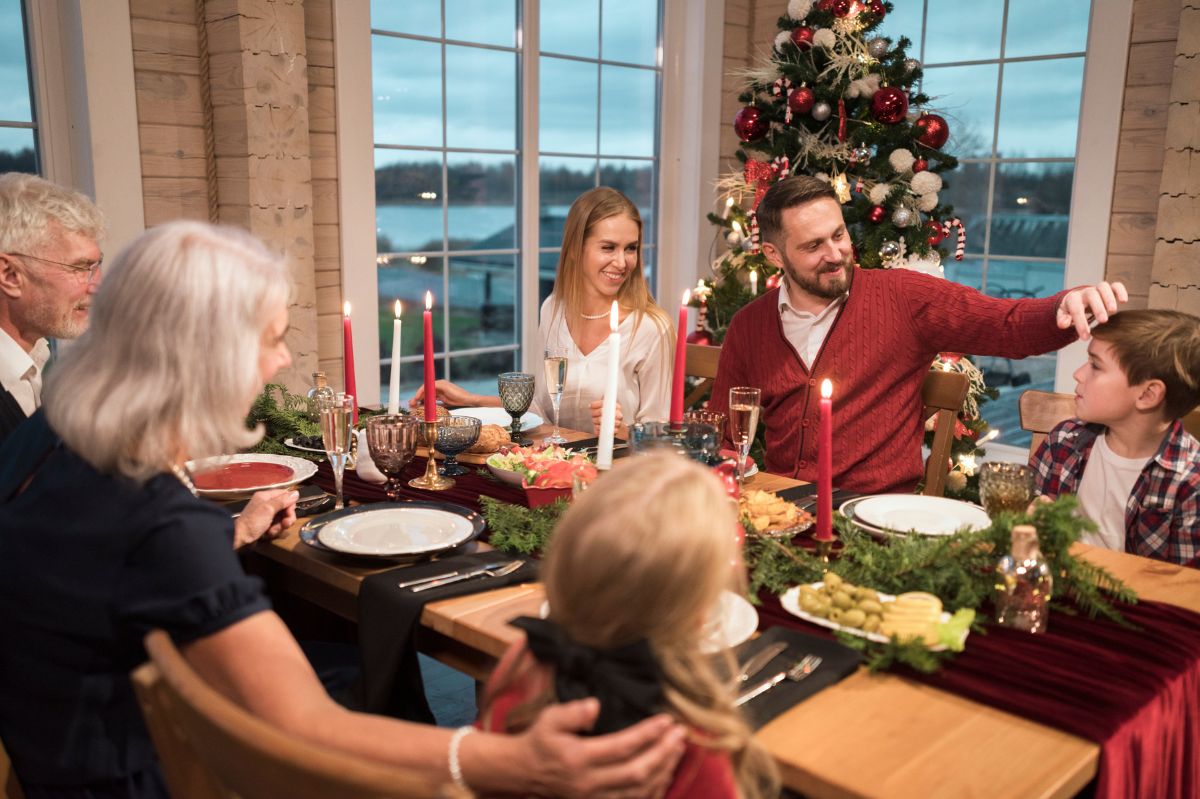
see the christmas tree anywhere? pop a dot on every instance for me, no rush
(838, 101)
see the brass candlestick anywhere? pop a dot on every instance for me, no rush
(431, 480)
(823, 549)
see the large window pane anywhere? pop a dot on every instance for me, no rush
(482, 201)
(635, 179)
(630, 31)
(422, 17)
(14, 74)
(483, 21)
(904, 20)
(1031, 209)
(481, 98)
(17, 150)
(408, 201)
(627, 103)
(483, 301)
(547, 271)
(966, 97)
(1011, 379)
(958, 31)
(407, 279)
(967, 190)
(562, 180)
(1028, 34)
(968, 271)
(406, 80)
(1039, 109)
(1024, 279)
(567, 101)
(570, 27)
(477, 373)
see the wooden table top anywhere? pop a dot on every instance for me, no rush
(869, 735)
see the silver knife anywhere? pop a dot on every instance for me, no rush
(495, 570)
(443, 576)
(759, 660)
(760, 689)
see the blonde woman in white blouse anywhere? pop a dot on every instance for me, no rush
(600, 261)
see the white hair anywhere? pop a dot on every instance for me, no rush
(169, 364)
(30, 206)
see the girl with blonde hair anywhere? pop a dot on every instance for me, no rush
(629, 585)
(600, 261)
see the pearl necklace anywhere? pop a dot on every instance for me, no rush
(183, 478)
(603, 315)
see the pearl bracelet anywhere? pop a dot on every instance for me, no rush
(456, 775)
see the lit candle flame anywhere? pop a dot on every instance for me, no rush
(398, 309)
(826, 389)
(614, 317)
(988, 436)
(737, 228)
(346, 308)
(729, 202)
(687, 297)
(428, 300)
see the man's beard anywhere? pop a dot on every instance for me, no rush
(814, 286)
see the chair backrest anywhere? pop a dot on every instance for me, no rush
(211, 748)
(942, 394)
(701, 362)
(9, 787)
(1041, 410)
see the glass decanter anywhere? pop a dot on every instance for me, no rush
(320, 391)
(1023, 583)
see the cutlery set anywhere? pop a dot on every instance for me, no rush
(798, 672)
(497, 569)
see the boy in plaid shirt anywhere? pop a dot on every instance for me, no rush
(1134, 467)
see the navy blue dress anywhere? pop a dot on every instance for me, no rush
(89, 563)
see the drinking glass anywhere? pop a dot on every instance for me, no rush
(392, 441)
(456, 434)
(1005, 487)
(745, 404)
(555, 364)
(714, 418)
(516, 394)
(336, 413)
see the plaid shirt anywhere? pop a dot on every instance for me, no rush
(1162, 515)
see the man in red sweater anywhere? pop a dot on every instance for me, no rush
(874, 334)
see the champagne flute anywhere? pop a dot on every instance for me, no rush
(555, 364)
(745, 404)
(336, 413)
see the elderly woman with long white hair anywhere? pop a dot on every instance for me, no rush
(103, 539)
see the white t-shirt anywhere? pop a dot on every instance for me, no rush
(644, 390)
(1104, 491)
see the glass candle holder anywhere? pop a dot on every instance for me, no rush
(1005, 487)
(699, 442)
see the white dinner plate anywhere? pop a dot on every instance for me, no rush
(301, 470)
(499, 416)
(289, 442)
(791, 603)
(921, 514)
(731, 622)
(398, 531)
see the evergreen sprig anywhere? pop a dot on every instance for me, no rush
(283, 415)
(518, 530)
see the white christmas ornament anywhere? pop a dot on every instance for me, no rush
(825, 38)
(926, 182)
(901, 160)
(822, 176)
(879, 193)
(903, 217)
(930, 264)
(798, 9)
(927, 202)
(821, 111)
(863, 87)
(877, 47)
(782, 40)
(912, 64)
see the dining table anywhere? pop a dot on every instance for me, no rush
(879, 734)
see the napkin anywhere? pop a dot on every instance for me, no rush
(363, 465)
(806, 496)
(389, 630)
(837, 662)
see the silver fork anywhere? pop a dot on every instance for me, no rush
(804, 667)
(503, 571)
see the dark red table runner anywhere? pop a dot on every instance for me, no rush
(466, 491)
(1134, 692)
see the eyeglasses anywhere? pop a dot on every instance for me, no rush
(89, 270)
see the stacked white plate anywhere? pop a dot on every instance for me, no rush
(892, 514)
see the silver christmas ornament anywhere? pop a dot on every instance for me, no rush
(860, 155)
(889, 250)
(902, 217)
(821, 112)
(877, 47)
(912, 64)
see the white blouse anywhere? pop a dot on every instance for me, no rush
(644, 390)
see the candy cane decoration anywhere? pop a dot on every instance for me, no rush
(755, 239)
(960, 246)
(782, 87)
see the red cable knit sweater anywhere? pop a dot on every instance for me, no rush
(890, 328)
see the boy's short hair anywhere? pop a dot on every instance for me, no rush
(1158, 345)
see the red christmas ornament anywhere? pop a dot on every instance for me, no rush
(750, 124)
(951, 357)
(726, 472)
(840, 8)
(773, 281)
(936, 232)
(802, 37)
(701, 337)
(877, 214)
(825, 5)
(932, 130)
(801, 100)
(920, 165)
(876, 8)
(889, 105)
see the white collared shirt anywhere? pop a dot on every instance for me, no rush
(21, 371)
(806, 331)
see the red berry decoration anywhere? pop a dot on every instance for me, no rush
(802, 37)
(750, 124)
(877, 214)
(920, 165)
(889, 105)
(936, 232)
(801, 100)
(840, 8)
(932, 130)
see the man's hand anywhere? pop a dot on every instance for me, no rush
(1082, 305)
(267, 513)
(453, 396)
(637, 763)
(597, 410)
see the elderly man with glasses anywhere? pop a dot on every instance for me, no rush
(49, 269)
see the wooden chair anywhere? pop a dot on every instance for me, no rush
(210, 748)
(942, 394)
(1042, 410)
(9, 787)
(701, 362)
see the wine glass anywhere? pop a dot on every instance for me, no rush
(745, 404)
(336, 413)
(555, 364)
(456, 434)
(392, 441)
(516, 394)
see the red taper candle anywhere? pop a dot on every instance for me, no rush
(825, 465)
(348, 357)
(430, 381)
(680, 361)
